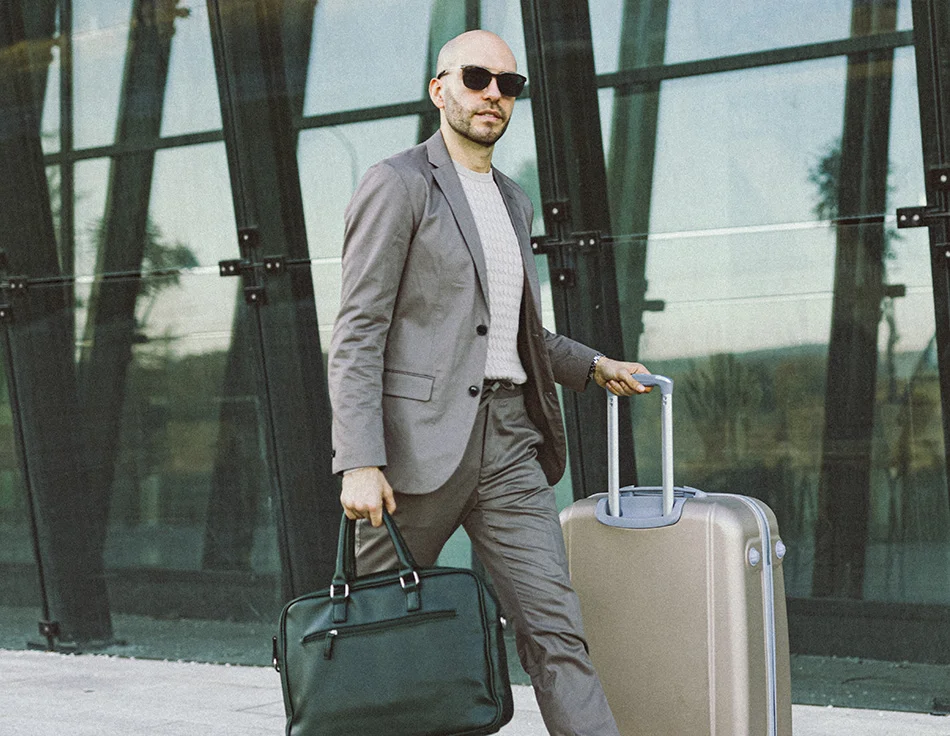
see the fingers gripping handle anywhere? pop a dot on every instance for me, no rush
(613, 443)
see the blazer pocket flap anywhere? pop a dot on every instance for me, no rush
(407, 385)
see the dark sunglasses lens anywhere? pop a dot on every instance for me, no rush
(476, 78)
(510, 85)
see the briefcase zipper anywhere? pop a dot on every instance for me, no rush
(329, 636)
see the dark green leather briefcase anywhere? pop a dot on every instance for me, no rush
(409, 652)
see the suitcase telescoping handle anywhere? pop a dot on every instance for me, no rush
(613, 443)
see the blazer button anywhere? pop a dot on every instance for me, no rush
(473, 391)
(482, 329)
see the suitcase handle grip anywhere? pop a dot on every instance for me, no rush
(613, 443)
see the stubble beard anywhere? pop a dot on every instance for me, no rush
(460, 120)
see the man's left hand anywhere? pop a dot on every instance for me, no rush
(617, 377)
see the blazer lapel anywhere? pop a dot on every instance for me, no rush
(447, 178)
(522, 227)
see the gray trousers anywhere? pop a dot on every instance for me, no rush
(500, 496)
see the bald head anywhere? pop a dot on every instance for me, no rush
(481, 48)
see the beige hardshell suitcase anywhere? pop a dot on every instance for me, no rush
(683, 602)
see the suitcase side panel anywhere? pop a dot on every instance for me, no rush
(680, 606)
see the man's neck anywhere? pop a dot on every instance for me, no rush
(471, 155)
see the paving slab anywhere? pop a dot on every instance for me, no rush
(47, 694)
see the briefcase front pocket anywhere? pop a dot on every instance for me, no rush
(330, 636)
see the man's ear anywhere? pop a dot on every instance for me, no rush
(435, 93)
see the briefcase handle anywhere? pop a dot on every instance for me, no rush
(613, 443)
(346, 565)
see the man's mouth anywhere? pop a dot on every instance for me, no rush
(489, 114)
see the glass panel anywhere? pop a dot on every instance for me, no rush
(191, 201)
(343, 76)
(791, 116)
(191, 97)
(193, 229)
(20, 601)
(751, 357)
(706, 29)
(51, 105)
(100, 38)
(791, 123)
(91, 185)
(177, 465)
(504, 18)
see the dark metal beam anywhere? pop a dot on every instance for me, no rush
(258, 113)
(574, 191)
(932, 30)
(40, 354)
(844, 489)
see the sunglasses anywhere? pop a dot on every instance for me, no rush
(477, 78)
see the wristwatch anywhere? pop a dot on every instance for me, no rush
(593, 365)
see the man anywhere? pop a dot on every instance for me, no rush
(442, 378)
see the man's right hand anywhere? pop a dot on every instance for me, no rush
(365, 492)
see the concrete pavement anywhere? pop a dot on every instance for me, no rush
(44, 694)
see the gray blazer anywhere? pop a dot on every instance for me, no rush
(407, 357)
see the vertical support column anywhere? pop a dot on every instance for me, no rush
(40, 354)
(574, 189)
(291, 384)
(932, 42)
(845, 483)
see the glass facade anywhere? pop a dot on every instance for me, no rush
(174, 179)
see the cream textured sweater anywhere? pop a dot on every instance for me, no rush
(505, 273)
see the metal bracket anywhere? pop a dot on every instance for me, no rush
(940, 706)
(255, 295)
(249, 238)
(915, 216)
(939, 178)
(232, 267)
(555, 212)
(587, 239)
(49, 629)
(563, 276)
(583, 241)
(541, 246)
(17, 284)
(559, 210)
(275, 264)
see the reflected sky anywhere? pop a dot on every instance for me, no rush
(734, 151)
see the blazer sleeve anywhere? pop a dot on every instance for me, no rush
(570, 360)
(379, 225)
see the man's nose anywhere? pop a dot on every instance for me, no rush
(491, 92)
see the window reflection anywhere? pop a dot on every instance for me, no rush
(690, 30)
(343, 76)
(729, 143)
(191, 96)
(99, 41)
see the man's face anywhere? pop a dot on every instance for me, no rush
(481, 116)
